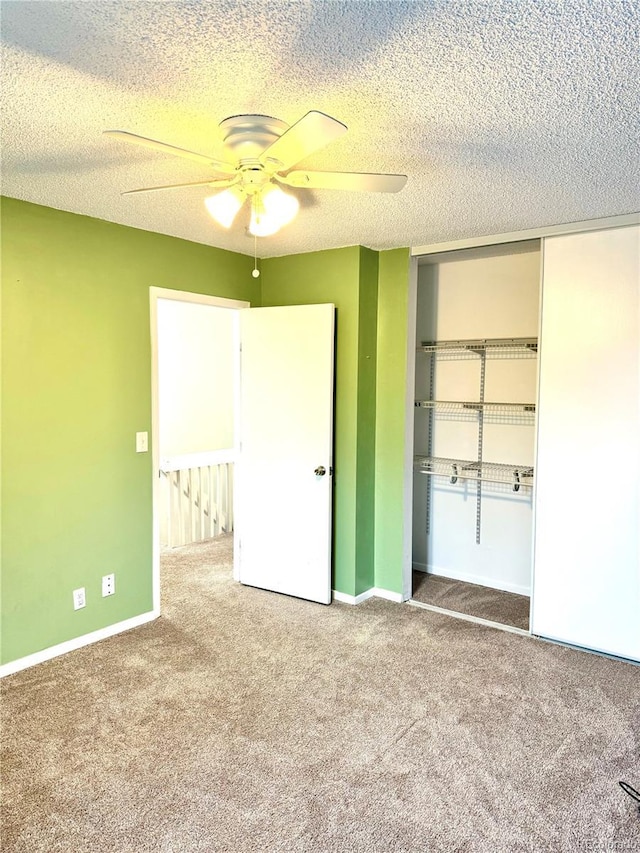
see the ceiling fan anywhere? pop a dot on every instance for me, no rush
(262, 152)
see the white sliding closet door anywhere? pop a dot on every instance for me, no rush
(587, 510)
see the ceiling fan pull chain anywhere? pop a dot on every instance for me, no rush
(256, 271)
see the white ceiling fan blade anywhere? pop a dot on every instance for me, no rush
(217, 165)
(358, 181)
(312, 132)
(216, 185)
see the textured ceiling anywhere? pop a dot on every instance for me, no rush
(505, 114)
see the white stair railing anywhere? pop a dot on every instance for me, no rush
(197, 497)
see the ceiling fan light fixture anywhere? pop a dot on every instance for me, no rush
(271, 209)
(263, 151)
(224, 206)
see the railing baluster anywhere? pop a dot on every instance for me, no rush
(209, 505)
(216, 499)
(224, 474)
(174, 514)
(168, 485)
(193, 519)
(186, 505)
(201, 502)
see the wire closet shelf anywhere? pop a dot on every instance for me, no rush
(462, 406)
(469, 469)
(487, 347)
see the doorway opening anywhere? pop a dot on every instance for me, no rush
(195, 370)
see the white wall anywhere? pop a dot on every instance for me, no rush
(195, 377)
(489, 293)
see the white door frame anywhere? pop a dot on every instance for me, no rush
(156, 293)
(409, 411)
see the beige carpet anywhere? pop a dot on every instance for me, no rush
(472, 599)
(246, 721)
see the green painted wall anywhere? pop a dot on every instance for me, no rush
(391, 384)
(76, 387)
(348, 278)
(366, 419)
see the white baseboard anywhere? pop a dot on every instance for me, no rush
(77, 643)
(387, 594)
(374, 592)
(468, 577)
(351, 599)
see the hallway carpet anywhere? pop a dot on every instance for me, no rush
(245, 721)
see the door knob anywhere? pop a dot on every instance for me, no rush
(320, 471)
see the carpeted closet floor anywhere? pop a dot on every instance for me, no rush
(246, 721)
(506, 608)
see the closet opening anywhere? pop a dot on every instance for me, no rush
(476, 377)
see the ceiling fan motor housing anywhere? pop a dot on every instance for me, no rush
(247, 137)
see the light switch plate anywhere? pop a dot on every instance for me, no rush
(142, 442)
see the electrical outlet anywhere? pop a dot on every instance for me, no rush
(108, 585)
(79, 598)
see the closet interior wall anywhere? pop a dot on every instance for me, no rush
(476, 294)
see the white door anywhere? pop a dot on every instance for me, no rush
(586, 587)
(284, 469)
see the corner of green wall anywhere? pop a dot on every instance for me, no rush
(391, 384)
(370, 291)
(366, 420)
